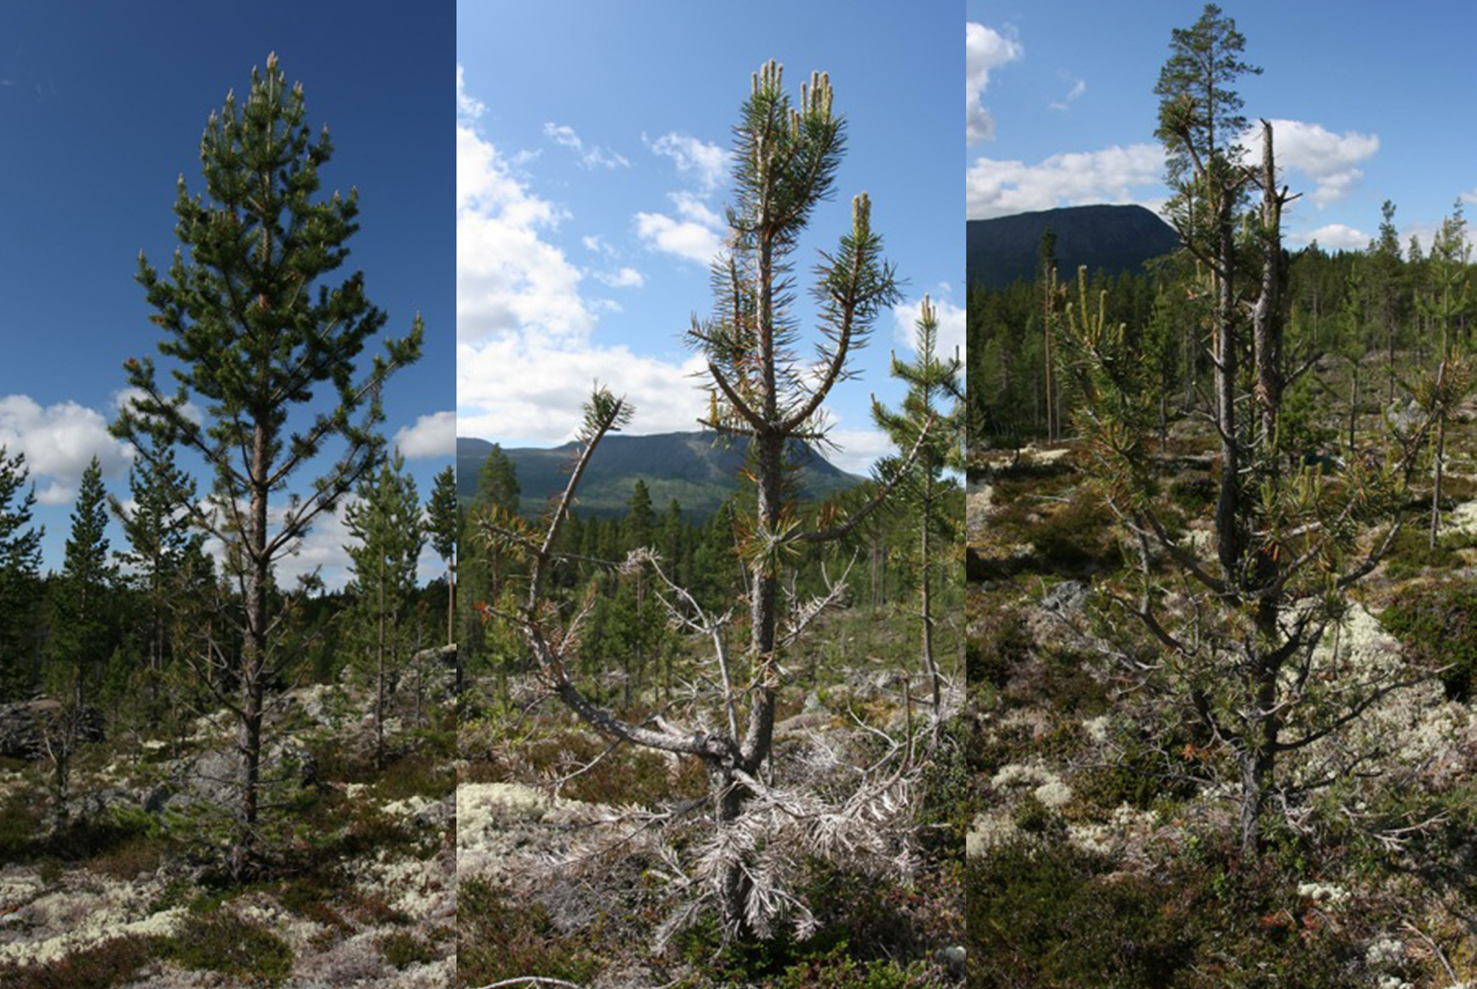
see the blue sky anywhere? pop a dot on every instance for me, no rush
(592, 145)
(1370, 102)
(102, 107)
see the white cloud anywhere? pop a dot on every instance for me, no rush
(624, 278)
(706, 163)
(999, 188)
(526, 357)
(430, 437)
(598, 244)
(509, 279)
(466, 106)
(696, 232)
(58, 442)
(522, 388)
(1333, 237)
(1329, 159)
(688, 239)
(950, 320)
(984, 49)
(1469, 197)
(857, 449)
(56, 493)
(1078, 88)
(591, 157)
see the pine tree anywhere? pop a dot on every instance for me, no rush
(79, 642)
(20, 564)
(930, 419)
(786, 155)
(1445, 305)
(443, 520)
(256, 331)
(385, 521)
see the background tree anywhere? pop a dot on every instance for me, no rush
(1444, 306)
(442, 521)
(80, 628)
(20, 564)
(930, 420)
(159, 534)
(254, 342)
(386, 522)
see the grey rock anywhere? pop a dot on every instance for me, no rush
(1068, 596)
(23, 726)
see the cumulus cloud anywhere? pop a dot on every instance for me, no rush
(429, 437)
(509, 278)
(704, 163)
(695, 232)
(593, 156)
(950, 320)
(1469, 197)
(58, 442)
(1112, 175)
(526, 354)
(1333, 237)
(1330, 160)
(689, 239)
(523, 388)
(985, 49)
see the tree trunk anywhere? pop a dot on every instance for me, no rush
(253, 663)
(450, 604)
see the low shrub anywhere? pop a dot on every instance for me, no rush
(114, 962)
(230, 945)
(499, 937)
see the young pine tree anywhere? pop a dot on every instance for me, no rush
(386, 523)
(443, 519)
(786, 154)
(930, 419)
(257, 333)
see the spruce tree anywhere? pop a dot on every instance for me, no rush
(20, 564)
(257, 332)
(79, 643)
(159, 533)
(443, 519)
(930, 419)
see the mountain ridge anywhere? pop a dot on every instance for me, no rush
(1114, 239)
(692, 467)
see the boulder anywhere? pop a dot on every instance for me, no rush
(214, 777)
(23, 726)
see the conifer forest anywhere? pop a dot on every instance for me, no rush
(701, 568)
